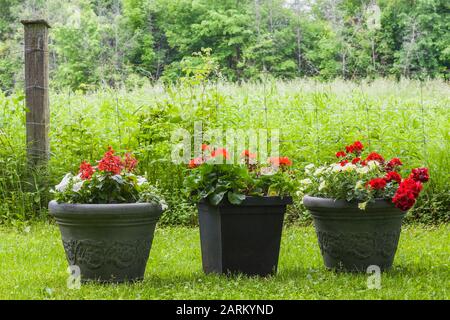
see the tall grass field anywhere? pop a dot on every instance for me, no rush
(408, 119)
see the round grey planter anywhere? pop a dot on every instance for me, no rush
(108, 242)
(351, 239)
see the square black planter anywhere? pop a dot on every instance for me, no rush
(242, 238)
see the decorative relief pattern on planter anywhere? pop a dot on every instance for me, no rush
(361, 245)
(93, 253)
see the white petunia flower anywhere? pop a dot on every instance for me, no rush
(305, 181)
(322, 185)
(372, 164)
(308, 168)
(77, 186)
(362, 205)
(349, 167)
(141, 180)
(319, 171)
(359, 185)
(62, 186)
(268, 171)
(362, 170)
(163, 205)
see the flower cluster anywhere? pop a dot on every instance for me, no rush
(409, 189)
(216, 155)
(86, 170)
(393, 164)
(111, 181)
(377, 183)
(130, 162)
(209, 178)
(363, 179)
(111, 163)
(355, 148)
(283, 162)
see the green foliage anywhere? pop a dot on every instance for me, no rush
(214, 180)
(422, 38)
(101, 188)
(407, 119)
(96, 43)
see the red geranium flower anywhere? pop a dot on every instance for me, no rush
(220, 152)
(358, 145)
(356, 160)
(373, 156)
(110, 162)
(195, 162)
(86, 170)
(340, 154)
(404, 200)
(248, 154)
(343, 162)
(406, 194)
(377, 183)
(420, 174)
(356, 148)
(280, 161)
(410, 185)
(393, 176)
(393, 163)
(130, 162)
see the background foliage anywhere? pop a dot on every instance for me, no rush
(150, 39)
(127, 73)
(408, 119)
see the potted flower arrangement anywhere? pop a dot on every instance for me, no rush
(241, 210)
(107, 217)
(358, 205)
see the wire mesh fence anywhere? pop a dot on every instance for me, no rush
(313, 105)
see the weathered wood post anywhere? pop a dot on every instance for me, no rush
(36, 91)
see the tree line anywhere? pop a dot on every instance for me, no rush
(124, 42)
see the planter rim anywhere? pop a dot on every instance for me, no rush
(327, 207)
(310, 201)
(254, 201)
(56, 208)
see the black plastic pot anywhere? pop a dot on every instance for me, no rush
(108, 242)
(352, 239)
(242, 238)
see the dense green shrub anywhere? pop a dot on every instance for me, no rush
(116, 42)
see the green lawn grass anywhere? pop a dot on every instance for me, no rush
(33, 266)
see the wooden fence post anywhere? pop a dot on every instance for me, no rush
(36, 91)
